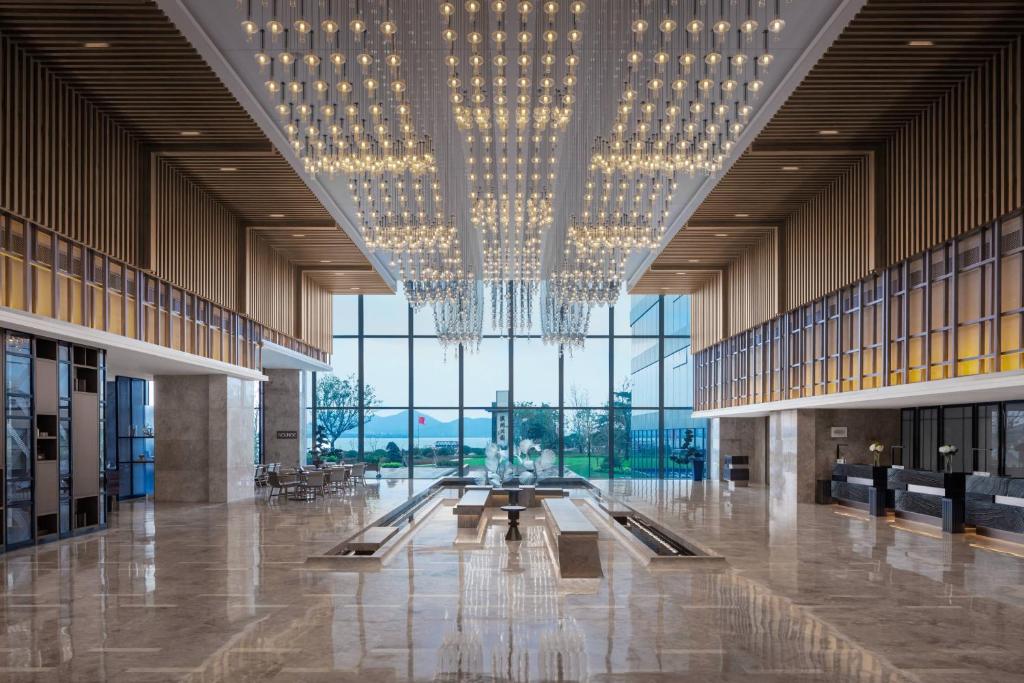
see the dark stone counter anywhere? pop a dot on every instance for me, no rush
(995, 506)
(860, 486)
(930, 497)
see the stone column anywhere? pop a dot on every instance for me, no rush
(205, 438)
(738, 436)
(282, 412)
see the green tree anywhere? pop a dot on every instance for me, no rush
(582, 422)
(539, 424)
(336, 399)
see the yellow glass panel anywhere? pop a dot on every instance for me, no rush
(114, 303)
(42, 290)
(1009, 283)
(15, 283)
(969, 295)
(96, 293)
(131, 328)
(915, 324)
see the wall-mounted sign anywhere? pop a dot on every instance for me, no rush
(287, 434)
(837, 432)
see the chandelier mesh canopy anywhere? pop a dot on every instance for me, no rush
(454, 127)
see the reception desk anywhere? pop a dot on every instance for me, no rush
(929, 497)
(860, 486)
(995, 506)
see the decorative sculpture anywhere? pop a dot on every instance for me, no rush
(528, 464)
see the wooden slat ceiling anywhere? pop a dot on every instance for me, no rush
(152, 81)
(868, 85)
(698, 254)
(255, 186)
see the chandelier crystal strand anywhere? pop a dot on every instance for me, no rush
(512, 124)
(563, 324)
(459, 319)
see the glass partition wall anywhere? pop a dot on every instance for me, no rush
(619, 407)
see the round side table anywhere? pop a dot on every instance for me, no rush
(513, 522)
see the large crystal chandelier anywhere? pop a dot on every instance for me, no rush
(512, 122)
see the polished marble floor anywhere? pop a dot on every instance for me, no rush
(220, 593)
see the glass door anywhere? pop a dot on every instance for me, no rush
(19, 514)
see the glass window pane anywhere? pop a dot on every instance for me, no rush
(423, 321)
(385, 314)
(435, 375)
(435, 443)
(678, 373)
(338, 391)
(586, 375)
(486, 373)
(387, 442)
(636, 370)
(345, 315)
(345, 358)
(386, 368)
(677, 315)
(635, 442)
(599, 321)
(586, 443)
(643, 316)
(337, 431)
(477, 428)
(1014, 465)
(685, 446)
(536, 373)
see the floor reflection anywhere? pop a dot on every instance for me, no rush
(219, 593)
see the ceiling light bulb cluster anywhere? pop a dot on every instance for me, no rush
(337, 83)
(511, 80)
(687, 97)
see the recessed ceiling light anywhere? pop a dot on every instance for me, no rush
(828, 131)
(790, 168)
(228, 168)
(694, 260)
(665, 288)
(920, 43)
(299, 234)
(353, 289)
(681, 272)
(324, 261)
(190, 133)
(95, 45)
(742, 215)
(721, 234)
(277, 215)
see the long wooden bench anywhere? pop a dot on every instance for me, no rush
(470, 507)
(575, 538)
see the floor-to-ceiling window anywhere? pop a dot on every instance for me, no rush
(619, 407)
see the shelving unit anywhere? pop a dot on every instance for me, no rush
(52, 483)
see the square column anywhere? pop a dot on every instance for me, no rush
(282, 413)
(205, 438)
(743, 436)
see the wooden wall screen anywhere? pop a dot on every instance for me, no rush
(706, 314)
(271, 285)
(751, 289)
(317, 315)
(829, 239)
(197, 239)
(65, 164)
(960, 164)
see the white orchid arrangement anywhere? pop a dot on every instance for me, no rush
(876, 448)
(947, 451)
